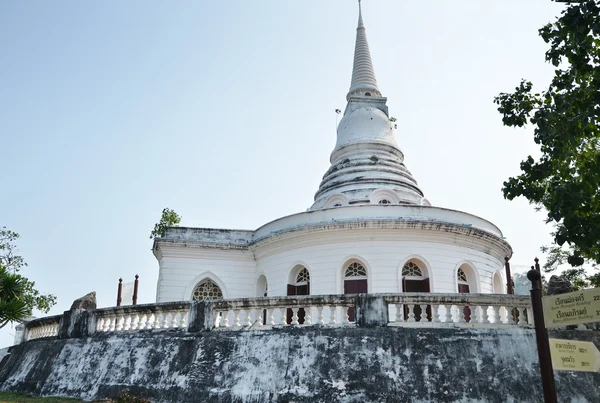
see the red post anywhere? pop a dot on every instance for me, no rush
(509, 282)
(541, 335)
(120, 292)
(135, 289)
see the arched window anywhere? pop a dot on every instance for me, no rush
(355, 282)
(355, 269)
(206, 290)
(298, 284)
(498, 284)
(415, 279)
(384, 201)
(462, 280)
(461, 277)
(410, 269)
(303, 277)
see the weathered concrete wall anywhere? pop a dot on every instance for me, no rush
(300, 365)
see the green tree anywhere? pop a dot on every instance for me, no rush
(18, 296)
(565, 180)
(169, 218)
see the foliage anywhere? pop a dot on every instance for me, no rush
(565, 180)
(125, 397)
(18, 296)
(169, 218)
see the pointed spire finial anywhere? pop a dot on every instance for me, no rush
(363, 75)
(360, 20)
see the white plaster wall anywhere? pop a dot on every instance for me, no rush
(383, 258)
(181, 268)
(324, 254)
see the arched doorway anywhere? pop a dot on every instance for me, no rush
(262, 289)
(298, 284)
(262, 286)
(415, 278)
(207, 290)
(355, 282)
(498, 284)
(463, 288)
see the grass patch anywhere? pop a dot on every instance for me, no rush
(6, 397)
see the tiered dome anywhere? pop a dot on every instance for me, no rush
(367, 166)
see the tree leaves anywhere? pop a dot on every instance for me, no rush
(18, 296)
(169, 218)
(565, 180)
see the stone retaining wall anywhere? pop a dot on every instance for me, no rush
(296, 364)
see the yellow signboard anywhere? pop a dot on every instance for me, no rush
(573, 308)
(571, 355)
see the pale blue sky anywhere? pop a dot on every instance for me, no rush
(224, 111)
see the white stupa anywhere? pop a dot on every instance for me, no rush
(370, 228)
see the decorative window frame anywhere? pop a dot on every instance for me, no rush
(425, 270)
(472, 276)
(337, 199)
(384, 194)
(207, 275)
(293, 274)
(347, 261)
(256, 290)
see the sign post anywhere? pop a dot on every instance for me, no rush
(541, 335)
(573, 308)
(571, 355)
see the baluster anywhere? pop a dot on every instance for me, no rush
(237, 318)
(332, 311)
(461, 314)
(529, 318)
(226, 319)
(510, 319)
(294, 316)
(475, 314)
(522, 320)
(158, 319)
(399, 312)
(106, 324)
(217, 322)
(174, 319)
(135, 322)
(127, 321)
(346, 311)
(440, 317)
(411, 313)
(423, 317)
(260, 317)
(321, 317)
(448, 314)
(113, 323)
(144, 322)
(100, 325)
(119, 322)
(166, 323)
(496, 310)
(271, 315)
(307, 317)
(249, 317)
(484, 314)
(434, 313)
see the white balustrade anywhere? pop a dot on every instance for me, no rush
(443, 310)
(406, 309)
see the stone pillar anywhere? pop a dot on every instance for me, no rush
(77, 323)
(371, 311)
(202, 317)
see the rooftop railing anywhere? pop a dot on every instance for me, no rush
(399, 310)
